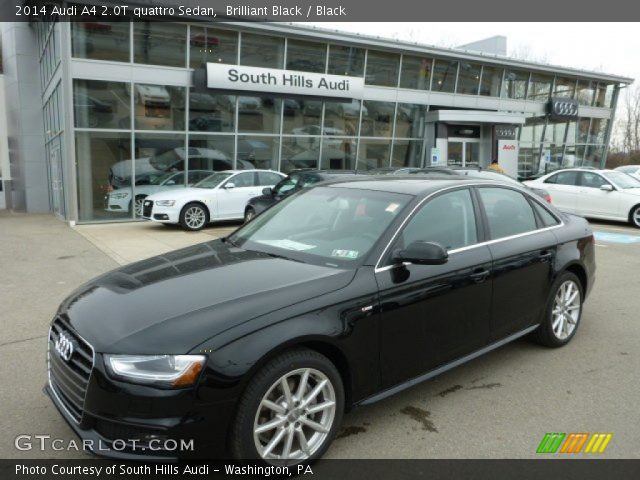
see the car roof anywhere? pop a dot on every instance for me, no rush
(410, 185)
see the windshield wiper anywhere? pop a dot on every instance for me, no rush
(277, 255)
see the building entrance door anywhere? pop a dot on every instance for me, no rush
(57, 188)
(463, 152)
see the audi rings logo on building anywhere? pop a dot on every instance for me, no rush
(563, 108)
(64, 347)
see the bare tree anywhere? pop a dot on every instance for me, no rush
(628, 124)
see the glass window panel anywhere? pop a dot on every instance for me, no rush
(382, 69)
(416, 72)
(212, 153)
(601, 93)
(212, 45)
(508, 212)
(339, 153)
(377, 119)
(571, 133)
(156, 154)
(515, 84)
(565, 87)
(100, 157)
(531, 131)
(261, 51)
(539, 87)
(160, 43)
(410, 120)
(608, 96)
(407, 153)
(346, 61)
(342, 116)
(259, 114)
(586, 92)
(303, 117)
(373, 153)
(306, 56)
(444, 76)
(582, 133)
(468, 78)
(527, 160)
(210, 112)
(260, 151)
(491, 81)
(598, 130)
(101, 40)
(98, 104)
(593, 156)
(554, 133)
(158, 107)
(300, 152)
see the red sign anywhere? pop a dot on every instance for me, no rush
(508, 147)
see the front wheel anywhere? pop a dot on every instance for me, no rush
(137, 205)
(290, 411)
(563, 312)
(634, 216)
(194, 216)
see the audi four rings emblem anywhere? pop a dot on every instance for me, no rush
(565, 108)
(504, 132)
(64, 347)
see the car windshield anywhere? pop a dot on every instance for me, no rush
(334, 226)
(622, 180)
(212, 181)
(160, 179)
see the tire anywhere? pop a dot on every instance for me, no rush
(634, 216)
(136, 205)
(560, 324)
(289, 422)
(249, 214)
(194, 216)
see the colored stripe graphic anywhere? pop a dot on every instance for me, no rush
(550, 442)
(574, 442)
(598, 443)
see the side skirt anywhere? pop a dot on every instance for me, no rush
(433, 373)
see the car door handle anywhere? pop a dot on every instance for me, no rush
(545, 255)
(479, 275)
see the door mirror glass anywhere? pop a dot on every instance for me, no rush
(267, 191)
(607, 187)
(422, 253)
(229, 185)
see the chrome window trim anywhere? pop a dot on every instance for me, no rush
(379, 269)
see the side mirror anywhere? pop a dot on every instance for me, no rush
(229, 185)
(267, 191)
(171, 182)
(607, 187)
(422, 253)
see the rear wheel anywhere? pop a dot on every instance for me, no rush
(290, 411)
(194, 216)
(563, 313)
(634, 216)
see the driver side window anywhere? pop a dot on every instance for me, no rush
(448, 219)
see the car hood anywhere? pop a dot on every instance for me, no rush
(171, 303)
(191, 193)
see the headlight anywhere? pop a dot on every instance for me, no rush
(117, 196)
(165, 203)
(172, 371)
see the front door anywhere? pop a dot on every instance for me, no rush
(463, 152)
(56, 180)
(594, 200)
(234, 194)
(431, 314)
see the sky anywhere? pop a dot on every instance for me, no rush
(604, 47)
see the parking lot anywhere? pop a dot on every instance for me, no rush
(498, 406)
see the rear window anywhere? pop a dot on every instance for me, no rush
(546, 217)
(563, 178)
(508, 212)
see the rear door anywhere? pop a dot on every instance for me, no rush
(593, 200)
(523, 249)
(564, 189)
(234, 193)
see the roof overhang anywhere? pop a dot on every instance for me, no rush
(476, 116)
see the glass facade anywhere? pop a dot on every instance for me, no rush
(127, 133)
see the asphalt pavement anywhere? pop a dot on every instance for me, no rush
(497, 406)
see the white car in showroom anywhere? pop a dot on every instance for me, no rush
(122, 199)
(603, 194)
(220, 196)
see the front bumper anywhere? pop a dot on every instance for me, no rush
(164, 215)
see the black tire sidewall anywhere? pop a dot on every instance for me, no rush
(242, 444)
(549, 338)
(634, 210)
(183, 223)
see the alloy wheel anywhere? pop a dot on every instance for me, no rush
(295, 416)
(137, 206)
(635, 217)
(566, 310)
(195, 217)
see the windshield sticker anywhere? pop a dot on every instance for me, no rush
(345, 253)
(288, 244)
(392, 207)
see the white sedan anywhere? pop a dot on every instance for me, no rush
(221, 196)
(604, 194)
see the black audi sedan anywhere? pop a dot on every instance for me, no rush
(255, 345)
(292, 183)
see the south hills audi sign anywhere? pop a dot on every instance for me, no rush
(290, 82)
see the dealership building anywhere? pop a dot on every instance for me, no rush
(101, 109)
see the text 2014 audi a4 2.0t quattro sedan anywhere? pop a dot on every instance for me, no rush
(254, 345)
